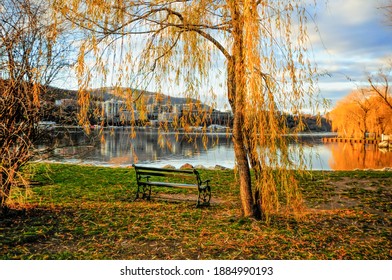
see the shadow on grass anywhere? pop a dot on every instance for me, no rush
(28, 227)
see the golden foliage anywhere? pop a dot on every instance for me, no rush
(360, 112)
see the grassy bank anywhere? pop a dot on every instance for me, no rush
(84, 212)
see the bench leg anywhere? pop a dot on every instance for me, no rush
(145, 192)
(204, 196)
(137, 193)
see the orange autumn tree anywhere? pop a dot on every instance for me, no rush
(260, 49)
(380, 118)
(360, 112)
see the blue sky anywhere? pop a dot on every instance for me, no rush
(354, 38)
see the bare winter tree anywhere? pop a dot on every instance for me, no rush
(30, 58)
(379, 84)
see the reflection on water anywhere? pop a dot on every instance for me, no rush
(348, 156)
(148, 147)
(119, 149)
(168, 148)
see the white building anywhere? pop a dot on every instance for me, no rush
(116, 111)
(111, 108)
(168, 117)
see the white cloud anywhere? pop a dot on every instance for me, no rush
(353, 12)
(351, 25)
(353, 38)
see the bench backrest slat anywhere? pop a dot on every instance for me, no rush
(165, 172)
(143, 168)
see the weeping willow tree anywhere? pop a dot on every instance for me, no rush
(259, 48)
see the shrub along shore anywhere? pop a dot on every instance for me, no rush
(87, 212)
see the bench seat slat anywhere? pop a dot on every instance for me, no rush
(163, 174)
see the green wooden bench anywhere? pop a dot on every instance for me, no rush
(146, 177)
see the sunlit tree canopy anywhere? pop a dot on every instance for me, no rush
(362, 111)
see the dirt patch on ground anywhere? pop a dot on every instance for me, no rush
(344, 193)
(347, 193)
(191, 198)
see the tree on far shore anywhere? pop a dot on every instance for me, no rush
(360, 112)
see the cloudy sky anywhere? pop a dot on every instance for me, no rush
(354, 38)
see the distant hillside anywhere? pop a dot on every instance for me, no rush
(104, 94)
(54, 93)
(149, 97)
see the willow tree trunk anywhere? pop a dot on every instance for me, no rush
(236, 94)
(243, 167)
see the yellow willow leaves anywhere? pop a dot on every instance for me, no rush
(36, 92)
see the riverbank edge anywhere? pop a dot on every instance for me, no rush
(189, 166)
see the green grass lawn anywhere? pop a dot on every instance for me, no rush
(84, 212)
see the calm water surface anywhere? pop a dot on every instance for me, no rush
(148, 148)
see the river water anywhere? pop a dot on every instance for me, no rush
(148, 147)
